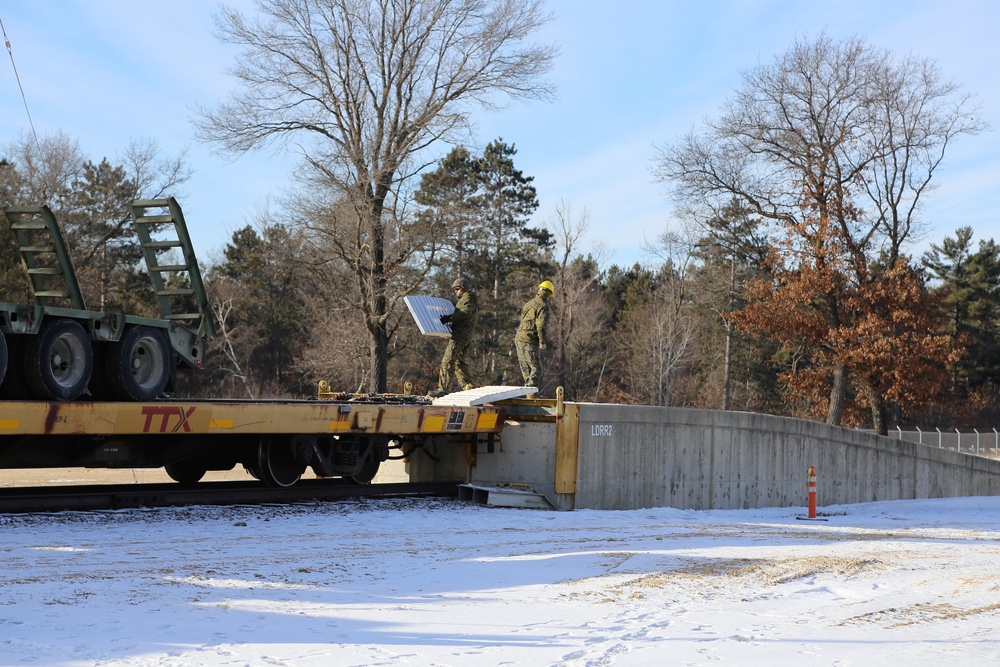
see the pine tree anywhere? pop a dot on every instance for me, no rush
(969, 282)
(261, 309)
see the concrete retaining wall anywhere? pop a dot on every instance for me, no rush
(631, 457)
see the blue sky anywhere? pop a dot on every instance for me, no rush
(631, 76)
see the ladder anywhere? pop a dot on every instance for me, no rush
(180, 292)
(44, 256)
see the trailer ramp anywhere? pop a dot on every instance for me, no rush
(180, 292)
(45, 257)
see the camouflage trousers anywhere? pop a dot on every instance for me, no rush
(454, 361)
(529, 356)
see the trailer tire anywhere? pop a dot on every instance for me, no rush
(59, 361)
(137, 367)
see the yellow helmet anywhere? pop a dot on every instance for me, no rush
(545, 284)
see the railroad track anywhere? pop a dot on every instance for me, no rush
(14, 500)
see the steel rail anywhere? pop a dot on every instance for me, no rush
(19, 500)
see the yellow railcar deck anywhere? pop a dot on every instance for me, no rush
(251, 417)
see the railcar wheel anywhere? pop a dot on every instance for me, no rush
(277, 463)
(59, 361)
(186, 472)
(137, 367)
(367, 473)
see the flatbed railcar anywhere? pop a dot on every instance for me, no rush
(274, 440)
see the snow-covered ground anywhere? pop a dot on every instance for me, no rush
(436, 582)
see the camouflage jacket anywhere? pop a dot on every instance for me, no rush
(463, 320)
(534, 322)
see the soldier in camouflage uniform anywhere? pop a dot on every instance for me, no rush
(462, 322)
(532, 336)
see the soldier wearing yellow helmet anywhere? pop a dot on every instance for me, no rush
(532, 335)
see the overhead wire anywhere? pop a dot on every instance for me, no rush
(19, 86)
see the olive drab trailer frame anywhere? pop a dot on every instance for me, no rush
(56, 348)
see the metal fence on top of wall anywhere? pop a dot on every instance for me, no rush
(975, 442)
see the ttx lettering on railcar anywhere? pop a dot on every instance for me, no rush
(165, 412)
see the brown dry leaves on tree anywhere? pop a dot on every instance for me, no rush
(887, 332)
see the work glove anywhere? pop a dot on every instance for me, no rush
(445, 319)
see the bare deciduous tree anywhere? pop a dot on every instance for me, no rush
(43, 171)
(580, 315)
(362, 88)
(655, 340)
(231, 371)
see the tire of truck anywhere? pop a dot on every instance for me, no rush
(59, 361)
(137, 367)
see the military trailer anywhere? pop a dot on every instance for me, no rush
(56, 349)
